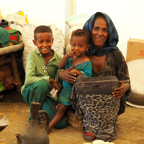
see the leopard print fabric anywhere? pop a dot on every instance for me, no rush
(98, 111)
(100, 116)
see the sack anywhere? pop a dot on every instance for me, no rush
(22, 14)
(15, 36)
(76, 20)
(16, 18)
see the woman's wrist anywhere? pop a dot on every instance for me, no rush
(59, 76)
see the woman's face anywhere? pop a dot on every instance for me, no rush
(99, 32)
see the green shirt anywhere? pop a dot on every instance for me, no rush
(34, 68)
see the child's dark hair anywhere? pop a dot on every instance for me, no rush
(81, 32)
(42, 29)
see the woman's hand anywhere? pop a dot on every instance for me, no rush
(67, 75)
(77, 72)
(119, 92)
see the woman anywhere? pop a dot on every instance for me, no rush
(107, 60)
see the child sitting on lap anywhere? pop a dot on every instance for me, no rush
(81, 66)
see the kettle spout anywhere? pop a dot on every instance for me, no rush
(19, 138)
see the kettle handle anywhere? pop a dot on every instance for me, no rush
(47, 119)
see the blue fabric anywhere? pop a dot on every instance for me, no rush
(112, 36)
(85, 68)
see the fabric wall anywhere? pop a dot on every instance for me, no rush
(39, 11)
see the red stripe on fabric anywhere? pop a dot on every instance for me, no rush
(13, 38)
(8, 28)
(86, 133)
(16, 34)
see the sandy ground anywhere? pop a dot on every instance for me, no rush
(131, 124)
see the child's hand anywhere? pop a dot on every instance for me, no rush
(69, 54)
(54, 83)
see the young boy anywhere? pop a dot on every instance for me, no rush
(41, 70)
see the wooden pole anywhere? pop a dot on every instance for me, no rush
(15, 72)
(6, 60)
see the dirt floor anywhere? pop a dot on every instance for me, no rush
(131, 124)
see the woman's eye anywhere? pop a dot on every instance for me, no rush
(105, 30)
(96, 28)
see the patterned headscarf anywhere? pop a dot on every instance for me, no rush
(112, 40)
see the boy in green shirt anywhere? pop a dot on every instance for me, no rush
(41, 70)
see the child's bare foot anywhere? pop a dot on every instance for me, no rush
(56, 108)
